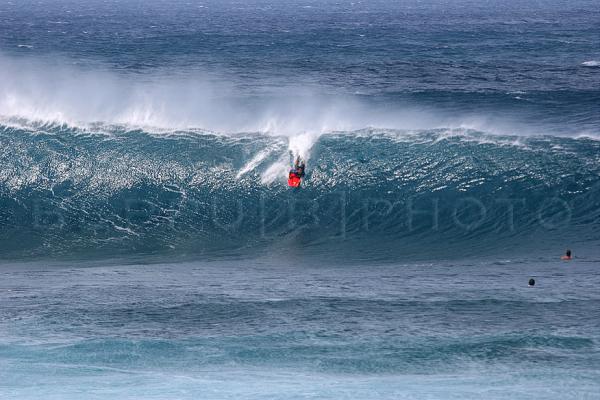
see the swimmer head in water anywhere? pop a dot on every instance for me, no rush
(567, 255)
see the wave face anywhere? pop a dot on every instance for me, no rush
(432, 129)
(368, 194)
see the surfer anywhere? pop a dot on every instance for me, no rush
(567, 256)
(296, 173)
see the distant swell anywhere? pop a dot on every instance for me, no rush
(377, 193)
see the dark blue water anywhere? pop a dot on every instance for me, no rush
(151, 248)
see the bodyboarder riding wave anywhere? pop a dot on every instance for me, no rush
(296, 173)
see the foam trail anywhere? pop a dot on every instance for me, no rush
(276, 170)
(254, 162)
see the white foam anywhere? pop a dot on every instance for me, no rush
(276, 171)
(592, 63)
(254, 162)
(300, 145)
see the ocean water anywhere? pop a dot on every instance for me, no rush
(264, 329)
(150, 247)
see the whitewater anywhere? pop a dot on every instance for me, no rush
(151, 248)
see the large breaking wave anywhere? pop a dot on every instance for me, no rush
(369, 194)
(96, 163)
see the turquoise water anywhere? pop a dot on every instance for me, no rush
(369, 195)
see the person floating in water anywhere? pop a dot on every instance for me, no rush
(297, 173)
(567, 256)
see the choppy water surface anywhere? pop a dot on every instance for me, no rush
(267, 329)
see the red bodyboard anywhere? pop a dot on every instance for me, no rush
(294, 180)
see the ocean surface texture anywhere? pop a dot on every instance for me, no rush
(150, 247)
